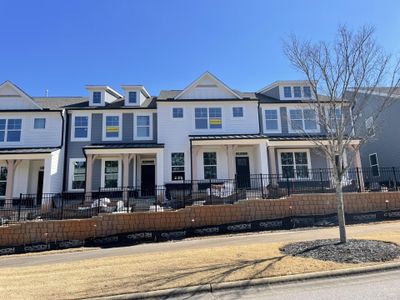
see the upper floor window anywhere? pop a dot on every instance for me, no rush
(178, 166)
(39, 123)
(81, 127)
(271, 120)
(10, 130)
(335, 118)
(96, 97)
(143, 127)
(297, 92)
(287, 91)
(208, 118)
(132, 97)
(177, 112)
(237, 112)
(112, 127)
(369, 125)
(307, 92)
(303, 120)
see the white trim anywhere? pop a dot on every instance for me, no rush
(135, 136)
(38, 118)
(279, 151)
(21, 93)
(103, 163)
(89, 131)
(111, 114)
(290, 130)
(208, 129)
(232, 117)
(71, 174)
(172, 113)
(264, 120)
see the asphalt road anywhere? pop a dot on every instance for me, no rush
(382, 286)
(55, 257)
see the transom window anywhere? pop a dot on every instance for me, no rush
(143, 126)
(294, 164)
(111, 173)
(373, 162)
(112, 127)
(178, 166)
(297, 91)
(271, 120)
(78, 171)
(96, 97)
(39, 123)
(303, 120)
(81, 124)
(287, 91)
(237, 112)
(177, 112)
(210, 165)
(10, 130)
(208, 118)
(132, 97)
(3, 180)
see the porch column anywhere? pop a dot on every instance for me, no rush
(47, 174)
(11, 166)
(125, 177)
(357, 164)
(89, 174)
(272, 164)
(160, 168)
(231, 161)
(195, 152)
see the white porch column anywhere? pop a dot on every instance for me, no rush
(195, 152)
(160, 167)
(262, 147)
(89, 174)
(272, 164)
(11, 166)
(46, 201)
(125, 177)
(231, 149)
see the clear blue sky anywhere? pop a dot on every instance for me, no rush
(63, 45)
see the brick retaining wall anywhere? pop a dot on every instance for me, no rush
(194, 216)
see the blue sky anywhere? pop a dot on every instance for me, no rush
(63, 45)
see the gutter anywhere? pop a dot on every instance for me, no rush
(66, 124)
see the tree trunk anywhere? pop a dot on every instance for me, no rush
(340, 212)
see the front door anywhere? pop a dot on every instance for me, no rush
(242, 172)
(148, 180)
(39, 190)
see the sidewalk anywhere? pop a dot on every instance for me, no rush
(172, 264)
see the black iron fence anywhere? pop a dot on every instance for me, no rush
(180, 194)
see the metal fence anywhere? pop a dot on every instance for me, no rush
(194, 192)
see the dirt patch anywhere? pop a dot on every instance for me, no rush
(354, 251)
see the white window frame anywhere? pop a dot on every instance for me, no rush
(136, 100)
(103, 165)
(289, 121)
(216, 164)
(150, 137)
(3, 165)
(294, 94)
(177, 118)
(119, 115)
(278, 111)
(376, 165)
(101, 98)
(6, 131)
(45, 123)
(369, 125)
(71, 173)
(89, 131)
(172, 166)
(240, 117)
(283, 92)
(208, 118)
(293, 151)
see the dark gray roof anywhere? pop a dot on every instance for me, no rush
(124, 145)
(149, 103)
(227, 137)
(268, 99)
(27, 150)
(58, 102)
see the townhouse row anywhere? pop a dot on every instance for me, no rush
(111, 139)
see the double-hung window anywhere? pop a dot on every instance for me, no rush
(210, 165)
(10, 130)
(177, 112)
(143, 127)
(373, 162)
(287, 91)
(112, 127)
(208, 118)
(294, 164)
(111, 173)
(271, 120)
(132, 97)
(178, 166)
(3, 180)
(81, 127)
(78, 174)
(310, 120)
(237, 112)
(303, 120)
(297, 91)
(334, 118)
(96, 97)
(307, 92)
(369, 125)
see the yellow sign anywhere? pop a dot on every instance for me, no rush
(215, 121)
(112, 128)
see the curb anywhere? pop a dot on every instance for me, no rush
(212, 287)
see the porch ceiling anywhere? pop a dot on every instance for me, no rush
(227, 139)
(26, 153)
(301, 141)
(123, 148)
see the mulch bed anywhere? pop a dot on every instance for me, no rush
(354, 251)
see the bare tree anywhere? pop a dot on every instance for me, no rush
(343, 76)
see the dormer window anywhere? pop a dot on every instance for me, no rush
(307, 92)
(132, 97)
(96, 97)
(287, 92)
(297, 92)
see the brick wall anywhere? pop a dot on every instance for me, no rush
(195, 216)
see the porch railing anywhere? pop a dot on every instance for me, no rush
(180, 194)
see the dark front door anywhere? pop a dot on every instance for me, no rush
(39, 190)
(148, 180)
(242, 172)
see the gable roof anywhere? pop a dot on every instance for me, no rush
(210, 76)
(21, 93)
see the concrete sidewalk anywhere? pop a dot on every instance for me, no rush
(55, 257)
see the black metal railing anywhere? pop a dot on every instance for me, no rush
(176, 195)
